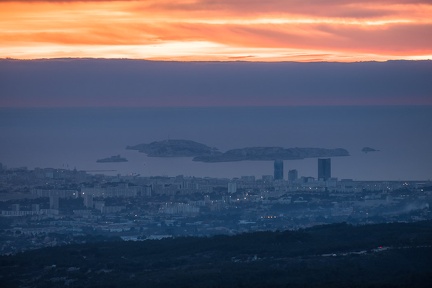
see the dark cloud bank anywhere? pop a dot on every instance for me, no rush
(100, 82)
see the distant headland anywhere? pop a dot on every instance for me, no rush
(203, 153)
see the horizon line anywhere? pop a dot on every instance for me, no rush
(221, 106)
(210, 61)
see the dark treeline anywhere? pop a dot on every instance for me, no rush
(338, 255)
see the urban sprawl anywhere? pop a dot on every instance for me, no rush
(50, 207)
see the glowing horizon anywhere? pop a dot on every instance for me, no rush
(196, 30)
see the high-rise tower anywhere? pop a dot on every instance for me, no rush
(292, 175)
(324, 169)
(278, 170)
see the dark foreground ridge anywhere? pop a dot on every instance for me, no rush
(338, 255)
(204, 153)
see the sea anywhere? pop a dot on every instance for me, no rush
(74, 138)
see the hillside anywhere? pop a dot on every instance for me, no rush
(339, 255)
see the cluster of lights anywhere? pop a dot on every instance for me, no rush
(268, 217)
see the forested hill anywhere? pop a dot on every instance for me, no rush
(338, 255)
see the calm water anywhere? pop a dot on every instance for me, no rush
(77, 137)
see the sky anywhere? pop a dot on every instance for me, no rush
(212, 30)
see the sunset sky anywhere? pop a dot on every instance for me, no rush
(271, 30)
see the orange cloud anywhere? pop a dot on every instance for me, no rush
(274, 30)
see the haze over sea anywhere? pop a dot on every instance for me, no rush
(76, 137)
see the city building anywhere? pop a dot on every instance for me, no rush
(54, 202)
(35, 207)
(232, 187)
(267, 179)
(324, 169)
(88, 201)
(15, 207)
(292, 175)
(278, 170)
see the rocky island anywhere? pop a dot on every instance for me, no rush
(115, 158)
(204, 153)
(175, 148)
(368, 149)
(271, 153)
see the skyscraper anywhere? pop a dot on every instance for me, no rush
(292, 175)
(324, 169)
(278, 170)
